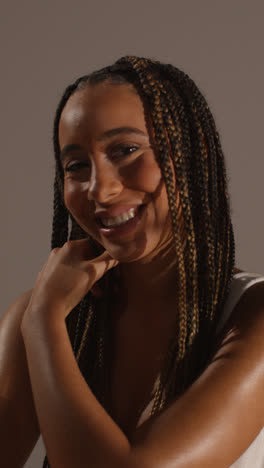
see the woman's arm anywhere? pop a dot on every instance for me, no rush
(201, 429)
(76, 430)
(19, 430)
(221, 414)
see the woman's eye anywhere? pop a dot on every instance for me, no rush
(76, 166)
(117, 152)
(123, 150)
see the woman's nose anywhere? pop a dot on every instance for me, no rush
(105, 183)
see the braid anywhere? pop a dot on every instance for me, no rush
(205, 273)
(187, 143)
(60, 219)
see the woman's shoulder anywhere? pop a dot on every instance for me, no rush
(246, 294)
(13, 315)
(227, 396)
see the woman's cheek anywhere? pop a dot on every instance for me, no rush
(76, 201)
(144, 175)
(71, 196)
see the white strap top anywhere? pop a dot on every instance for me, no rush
(241, 282)
(253, 457)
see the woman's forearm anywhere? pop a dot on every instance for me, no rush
(19, 429)
(76, 429)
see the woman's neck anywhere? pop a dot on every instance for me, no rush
(148, 287)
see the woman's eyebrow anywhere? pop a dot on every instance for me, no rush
(69, 149)
(105, 136)
(116, 131)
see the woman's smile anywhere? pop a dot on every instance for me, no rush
(113, 185)
(122, 224)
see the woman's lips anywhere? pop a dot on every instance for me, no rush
(114, 211)
(124, 228)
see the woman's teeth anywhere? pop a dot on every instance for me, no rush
(121, 219)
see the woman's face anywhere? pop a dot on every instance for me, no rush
(113, 185)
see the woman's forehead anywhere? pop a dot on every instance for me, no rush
(102, 104)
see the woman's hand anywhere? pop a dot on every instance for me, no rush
(65, 279)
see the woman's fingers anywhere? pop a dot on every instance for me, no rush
(106, 258)
(67, 276)
(78, 250)
(98, 266)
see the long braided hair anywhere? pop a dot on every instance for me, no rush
(185, 134)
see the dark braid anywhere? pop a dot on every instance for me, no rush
(186, 139)
(60, 219)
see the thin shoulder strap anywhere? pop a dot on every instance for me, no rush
(240, 283)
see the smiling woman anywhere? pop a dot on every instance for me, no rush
(162, 331)
(111, 170)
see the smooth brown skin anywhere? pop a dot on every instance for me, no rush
(200, 429)
(19, 429)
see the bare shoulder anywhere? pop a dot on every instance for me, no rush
(17, 308)
(248, 315)
(23, 298)
(247, 318)
(228, 396)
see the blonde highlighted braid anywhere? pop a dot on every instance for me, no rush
(187, 140)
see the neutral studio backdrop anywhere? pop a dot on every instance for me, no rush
(47, 45)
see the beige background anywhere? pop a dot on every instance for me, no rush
(45, 45)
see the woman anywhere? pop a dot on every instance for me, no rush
(170, 358)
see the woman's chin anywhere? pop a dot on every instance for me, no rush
(127, 255)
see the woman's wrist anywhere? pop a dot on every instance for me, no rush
(45, 315)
